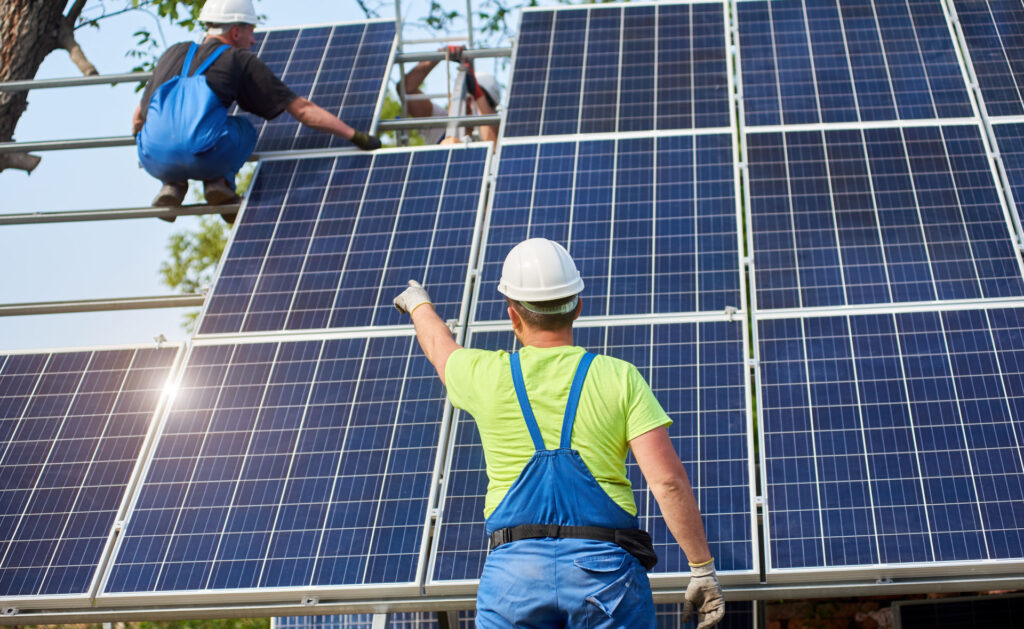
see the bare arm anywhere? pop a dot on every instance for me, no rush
(488, 133)
(137, 120)
(413, 80)
(312, 115)
(434, 336)
(671, 486)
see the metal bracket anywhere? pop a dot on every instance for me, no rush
(884, 581)
(452, 323)
(9, 611)
(753, 363)
(310, 601)
(730, 311)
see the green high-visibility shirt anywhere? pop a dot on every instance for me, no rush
(616, 405)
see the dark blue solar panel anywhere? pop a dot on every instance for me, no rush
(71, 429)
(893, 439)
(877, 216)
(994, 33)
(1011, 147)
(650, 222)
(848, 60)
(607, 69)
(697, 372)
(341, 68)
(968, 612)
(287, 465)
(328, 242)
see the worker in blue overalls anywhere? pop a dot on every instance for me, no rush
(566, 550)
(183, 130)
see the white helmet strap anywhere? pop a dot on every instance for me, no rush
(568, 306)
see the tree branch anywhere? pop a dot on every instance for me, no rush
(75, 11)
(19, 161)
(66, 40)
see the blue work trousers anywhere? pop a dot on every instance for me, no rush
(171, 163)
(554, 583)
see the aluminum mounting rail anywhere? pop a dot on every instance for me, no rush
(102, 305)
(129, 77)
(127, 140)
(114, 214)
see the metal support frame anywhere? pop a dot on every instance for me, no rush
(102, 305)
(127, 140)
(114, 214)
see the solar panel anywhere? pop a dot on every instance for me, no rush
(1010, 139)
(328, 242)
(848, 60)
(650, 222)
(993, 33)
(872, 216)
(968, 612)
(72, 425)
(285, 466)
(340, 67)
(632, 68)
(893, 441)
(697, 371)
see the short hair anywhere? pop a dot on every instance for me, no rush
(221, 29)
(547, 322)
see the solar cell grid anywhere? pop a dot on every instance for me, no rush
(697, 372)
(650, 222)
(893, 439)
(632, 68)
(868, 216)
(287, 465)
(328, 242)
(71, 429)
(993, 32)
(1010, 140)
(848, 60)
(340, 67)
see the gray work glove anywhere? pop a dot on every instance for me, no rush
(412, 298)
(365, 141)
(705, 592)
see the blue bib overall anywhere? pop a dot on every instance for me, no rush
(188, 133)
(561, 582)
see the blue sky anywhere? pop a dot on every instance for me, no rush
(106, 258)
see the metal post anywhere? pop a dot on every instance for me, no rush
(381, 621)
(74, 81)
(448, 620)
(400, 137)
(469, 22)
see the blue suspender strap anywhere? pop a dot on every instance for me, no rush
(574, 399)
(524, 402)
(209, 60)
(188, 59)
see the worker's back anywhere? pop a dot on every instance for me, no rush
(615, 406)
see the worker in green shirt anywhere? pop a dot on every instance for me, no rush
(566, 550)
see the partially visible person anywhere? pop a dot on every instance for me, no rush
(482, 96)
(182, 127)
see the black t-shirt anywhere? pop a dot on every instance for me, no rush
(236, 75)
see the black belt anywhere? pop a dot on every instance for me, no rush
(635, 541)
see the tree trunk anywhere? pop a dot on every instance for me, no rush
(29, 30)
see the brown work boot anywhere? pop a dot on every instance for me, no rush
(219, 192)
(171, 195)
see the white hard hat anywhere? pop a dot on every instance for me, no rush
(228, 12)
(489, 84)
(539, 269)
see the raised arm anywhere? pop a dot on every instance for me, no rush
(434, 336)
(667, 478)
